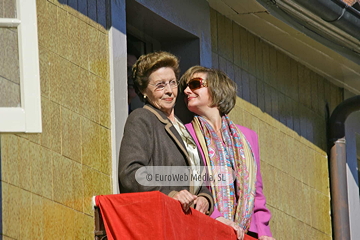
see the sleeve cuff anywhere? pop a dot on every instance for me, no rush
(172, 194)
(216, 214)
(211, 202)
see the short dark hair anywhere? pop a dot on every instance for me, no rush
(222, 89)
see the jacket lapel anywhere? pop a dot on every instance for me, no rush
(170, 129)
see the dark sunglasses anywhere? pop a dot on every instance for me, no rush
(196, 83)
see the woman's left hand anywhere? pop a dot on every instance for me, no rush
(266, 238)
(201, 204)
(239, 231)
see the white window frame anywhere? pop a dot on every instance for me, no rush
(26, 118)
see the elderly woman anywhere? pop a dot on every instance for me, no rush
(211, 95)
(151, 135)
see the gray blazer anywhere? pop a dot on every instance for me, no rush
(150, 139)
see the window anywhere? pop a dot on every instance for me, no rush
(20, 97)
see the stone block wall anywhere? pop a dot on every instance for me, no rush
(271, 80)
(287, 104)
(48, 179)
(295, 176)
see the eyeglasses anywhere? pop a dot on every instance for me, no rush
(161, 85)
(196, 83)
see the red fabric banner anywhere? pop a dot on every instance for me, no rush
(153, 215)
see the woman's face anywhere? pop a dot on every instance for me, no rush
(159, 96)
(198, 100)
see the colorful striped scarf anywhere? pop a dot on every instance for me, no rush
(235, 200)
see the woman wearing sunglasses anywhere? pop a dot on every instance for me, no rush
(151, 134)
(211, 95)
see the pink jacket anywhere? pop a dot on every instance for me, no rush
(261, 217)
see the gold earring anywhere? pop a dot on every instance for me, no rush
(144, 96)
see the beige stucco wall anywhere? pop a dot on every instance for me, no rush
(48, 179)
(295, 176)
(285, 103)
(273, 81)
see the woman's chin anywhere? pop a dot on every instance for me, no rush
(192, 108)
(168, 107)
